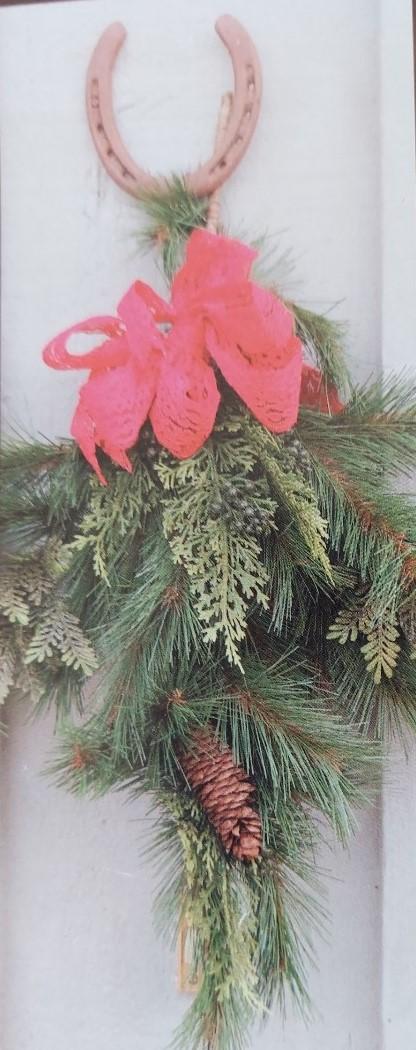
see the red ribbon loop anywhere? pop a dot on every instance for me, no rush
(216, 317)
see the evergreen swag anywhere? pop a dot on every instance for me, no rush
(251, 612)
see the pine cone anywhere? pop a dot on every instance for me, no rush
(225, 792)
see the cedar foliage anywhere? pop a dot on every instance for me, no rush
(261, 596)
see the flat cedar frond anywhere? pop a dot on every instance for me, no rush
(39, 625)
(24, 584)
(223, 563)
(112, 513)
(7, 665)
(346, 625)
(14, 674)
(45, 690)
(202, 887)
(57, 630)
(380, 631)
(381, 650)
(13, 598)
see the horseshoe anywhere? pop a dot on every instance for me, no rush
(243, 116)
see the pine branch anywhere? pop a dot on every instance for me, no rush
(85, 763)
(173, 215)
(368, 529)
(384, 711)
(407, 619)
(286, 734)
(152, 630)
(246, 938)
(375, 433)
(288, 913)
(388, 402)
(322, 338)
(281, 568)
(295, 494)
(22, 457)
(42, 488)
(371, 442)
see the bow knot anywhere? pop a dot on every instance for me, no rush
(158, 359)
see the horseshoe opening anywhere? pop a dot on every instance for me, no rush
(243, 117)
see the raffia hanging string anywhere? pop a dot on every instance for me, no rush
(213, 216)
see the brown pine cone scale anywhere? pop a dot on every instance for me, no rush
(226, 794)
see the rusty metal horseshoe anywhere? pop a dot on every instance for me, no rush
(244, 113)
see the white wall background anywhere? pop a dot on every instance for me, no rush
(330, 170)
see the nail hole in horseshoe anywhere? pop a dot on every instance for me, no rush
(251, 83)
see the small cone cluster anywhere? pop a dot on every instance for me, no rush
(225, 793)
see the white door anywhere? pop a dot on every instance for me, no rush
(330, 174)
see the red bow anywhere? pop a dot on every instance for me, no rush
(216, 315)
